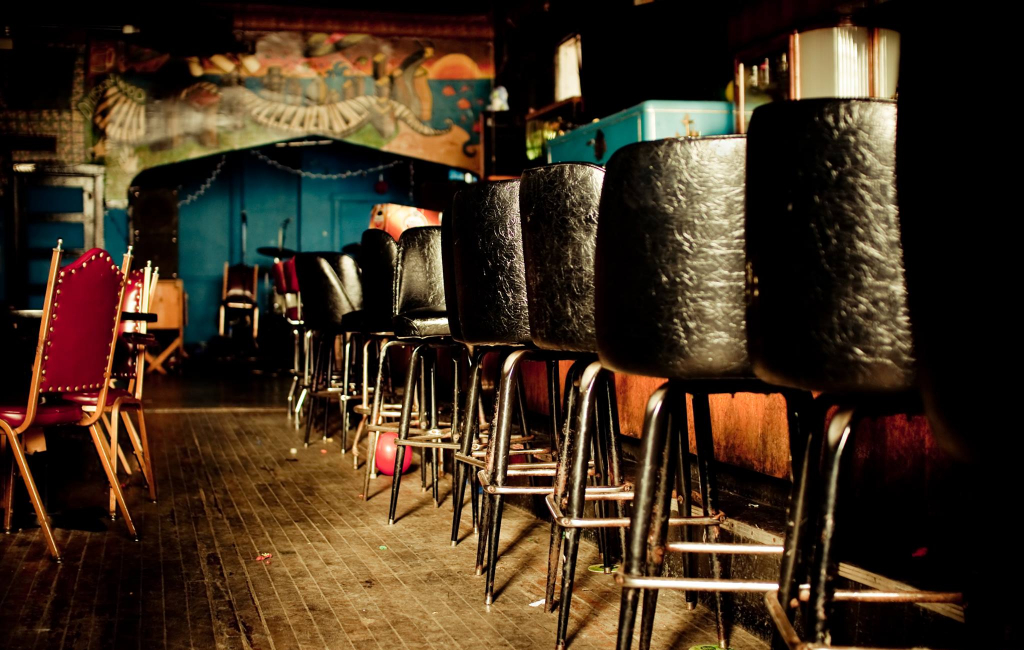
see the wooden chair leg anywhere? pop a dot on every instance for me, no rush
(33, 493)
(7, 467)
(97, 439)
(147, 454)
(141, 446)
(120, 452)
(115, 415)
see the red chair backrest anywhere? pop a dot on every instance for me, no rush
(291, 278)
(86, 306)
(240, 281)
(277, 273)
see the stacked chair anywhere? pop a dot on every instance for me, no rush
(129, 369)
(331, 289)
(75, 355)
(238, 297)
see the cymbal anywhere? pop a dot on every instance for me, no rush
(274, 251)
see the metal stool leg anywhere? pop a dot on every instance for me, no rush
(463, 472)
(651, 458)
(561, 480)
(709, 501)
(576, 450)
(403, 430)
(500, 444)
(662, 510)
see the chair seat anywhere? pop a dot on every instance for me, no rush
(239, 302)
(46, 415)
(90, 398)
(364, 321)
(135, 340)
(420, 323)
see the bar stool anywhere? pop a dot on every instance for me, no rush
(81, 318)
(379, 253)
(827, 312)
(378, 258)
(420, 322)
(485, 290)
(558, 209)
(670, 303)
(330, 289)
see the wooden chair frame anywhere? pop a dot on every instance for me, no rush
(90, 420)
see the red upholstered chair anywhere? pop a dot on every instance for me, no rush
(239, 292)
(293, 313)
(129, 368)
(81, 319)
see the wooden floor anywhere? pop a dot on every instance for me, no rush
(229, 489)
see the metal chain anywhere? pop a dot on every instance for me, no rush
(320, 176)
(192, 198)
(206, 184)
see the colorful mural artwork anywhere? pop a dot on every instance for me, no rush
(414, 97)
(395, 218)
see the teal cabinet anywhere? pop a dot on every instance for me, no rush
(651, 120)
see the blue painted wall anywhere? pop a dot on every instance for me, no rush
(326, 214)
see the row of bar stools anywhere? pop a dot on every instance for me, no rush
(670, 302)
(330, 290)
(421, 322)
(828, 302)
(486, 296)
(557, 208)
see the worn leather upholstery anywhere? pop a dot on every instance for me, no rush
(46, 414)
(670, 298)
(330, 289)
(490, 275)
(828, 308)
(451, 291)
(378, 258)
(85, 307)
(420, 306)
(558, 205)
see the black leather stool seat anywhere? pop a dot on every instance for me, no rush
(670, 292)
(558, 205)
(420, 306)
(331, 288)
(487, 264)
(828, 297)
(378, 257)
(421, 323)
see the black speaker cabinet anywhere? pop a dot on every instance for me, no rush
(153, 223)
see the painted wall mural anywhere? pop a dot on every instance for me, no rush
(410, 96)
